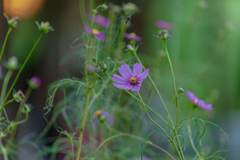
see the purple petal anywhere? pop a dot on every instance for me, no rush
(119, 79)
(143, 75)
(87, 28)
(203, 105)
(110, 120)
(191, 96)
(137, 38)
(101, 36)
(103, 113)
(125, 71)
(127, 35)
(137, 69)
(136, 87)
(123, 86)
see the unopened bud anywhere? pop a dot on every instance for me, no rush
(18, 96)
(26, 108)
(164, 34)
(94, 11)
(44, 27)
(13, 63)
(180, 90)
(35, 82)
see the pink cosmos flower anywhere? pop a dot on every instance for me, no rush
(132, 35)
(95, 32)
(163, 24)
(130, 80)
(102, 115)
(98, 19)
(198, 102)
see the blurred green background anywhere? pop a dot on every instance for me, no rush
(204, 50)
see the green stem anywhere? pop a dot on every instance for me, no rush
(190, 134)
(5, 84)
(72, 146)
(139, 139)
(83, 124)
(5, 41)
(11, 100)
(170, 106)
(20, 71)
(174, 83)
(160, 97)
(19, 113)
(82, 11)
(4, 151)
(87, 47)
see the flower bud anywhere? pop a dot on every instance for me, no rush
(104, 6)
(18, 96)
(44, 27)
(180, 90)
(35, 82)
(94, 11)
(12, 63)
(164, 34)
(131, 49)
(26, 108)
(12, 22)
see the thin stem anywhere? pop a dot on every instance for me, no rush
(5, 41)
(5, 84)
(170, 106)
(19, 113)
(140, 139)
(4, 151)
(87, 47)
(83, 124)
(72, 146)
(20, 71)
(190, 134)
(82, 11)
(160, 97)
(174, 83)
(11, 100)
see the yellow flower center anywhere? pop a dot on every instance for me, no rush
(133, 80)
(98, 113)
(95, 31)
(47, 24)
(132, 35)
(195, 101)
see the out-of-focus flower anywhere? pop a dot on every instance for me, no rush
(104, 6)
(130, 80)
(133, 36)
(12, 22)
(26, 108)
(164, 34)
(12, 63)
(130, 7)
(44, 27)
(115, 8)
(163, 24)
(198, 102)
(95, 32)
(98, 19)
(131, 49)
(91, 68)
(101, 115)
(35, 82)
(202, 4)
(18, 96)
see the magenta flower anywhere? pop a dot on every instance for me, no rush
(198, 102)
(130, 80)
(35, 82)
(163, 24)
(101, 115)
(132, 36)
(98, 19)
(95, 32)
(91, 68)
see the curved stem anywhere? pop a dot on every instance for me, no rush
(173, 77)
(83, 124)
(20, 71)
(5, 41)
(11, 100)
(190, 134)
(5, 84)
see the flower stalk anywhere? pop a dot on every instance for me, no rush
(5, 41)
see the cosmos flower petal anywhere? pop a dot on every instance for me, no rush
(191, 96)
(123, 86)
(125, 71)
(137, 69)
(101, 36)
(138, 38)
(203, 105)
(110, 120)
(143, 75)
(87, 28)
(136, 87)
(119, 79)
